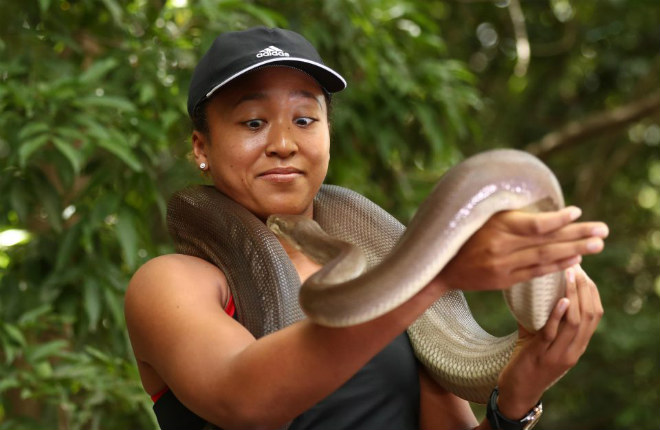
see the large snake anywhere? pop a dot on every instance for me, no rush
(399, 262)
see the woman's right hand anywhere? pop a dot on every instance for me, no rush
(516, 246)
(542, 358)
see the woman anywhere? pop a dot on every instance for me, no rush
(259, 101)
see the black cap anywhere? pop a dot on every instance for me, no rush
(233, 54)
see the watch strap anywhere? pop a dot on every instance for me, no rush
(500, 422)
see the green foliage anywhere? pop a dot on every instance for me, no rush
(93, 140)
(49, 380)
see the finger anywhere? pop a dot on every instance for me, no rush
(585, 325)
(595, 294)
(528, 223)
(551, 253)
(583, 284)
(573, 315)
(591, 308)
(527, 273)
(569, 325)
(569, 233)
(580, 230)
(549, 331)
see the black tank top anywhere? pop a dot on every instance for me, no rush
(383, 395)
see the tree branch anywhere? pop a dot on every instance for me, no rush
(594, 125)
(522, 41)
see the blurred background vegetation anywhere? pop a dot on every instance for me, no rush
(94, 138)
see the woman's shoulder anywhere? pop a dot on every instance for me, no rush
(175, 275)
(176, 263)
(175, 268)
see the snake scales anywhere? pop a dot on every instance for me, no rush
(459, 354)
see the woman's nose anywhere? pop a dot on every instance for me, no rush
(281, 141)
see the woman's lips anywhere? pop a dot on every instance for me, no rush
(281, 174)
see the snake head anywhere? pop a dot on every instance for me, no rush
(284, 227)
(307, 236)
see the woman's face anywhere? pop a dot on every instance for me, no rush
(268, 146)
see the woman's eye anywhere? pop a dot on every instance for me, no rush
(254, 124)
(304, 121)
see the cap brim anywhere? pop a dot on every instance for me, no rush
(330, 80)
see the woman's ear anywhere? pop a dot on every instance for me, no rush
(199, 143)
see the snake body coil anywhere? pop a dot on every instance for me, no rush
(400, 262)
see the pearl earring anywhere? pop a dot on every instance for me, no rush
(202, 166)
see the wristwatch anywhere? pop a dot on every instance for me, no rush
(500, 422)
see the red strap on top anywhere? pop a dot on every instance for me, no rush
(230, 309)
(159, 394)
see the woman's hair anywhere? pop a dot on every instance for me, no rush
(200, 121)
(198, 118)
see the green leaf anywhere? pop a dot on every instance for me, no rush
(123, 153)
(430, 125)
(8, 382)
(28, 147)
(111, 102)
(33, 128)
(115, 10)
(98, 354)
(18, 200)
(104, 205)
(70, 133)
(42, 351)
(92, 127)
(14, 333)
(50, 200)
(127, 236)
(67, 247)
(43, 370)
(269, 17)
(32, 315)
(115, 304)
(71, 153)
(147, 93)
(44, 5)
(97, 70)
(92, 300)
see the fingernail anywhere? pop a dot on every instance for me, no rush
(595, 245)
(574, 212)
(563, 304)
(576, 260)
(600, 231)
(570, 275)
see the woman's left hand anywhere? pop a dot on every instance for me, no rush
(541, 358)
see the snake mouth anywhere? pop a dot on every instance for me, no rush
(272, 224)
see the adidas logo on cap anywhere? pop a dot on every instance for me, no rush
(272, 51)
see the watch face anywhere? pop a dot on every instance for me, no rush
(532, 418)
